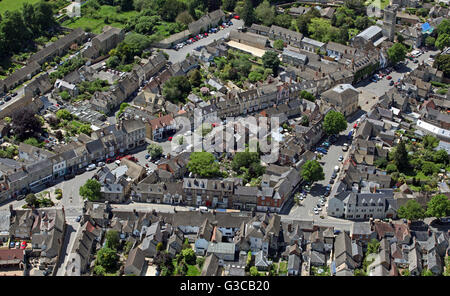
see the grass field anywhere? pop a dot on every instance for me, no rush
(13, 4)
(96, 25)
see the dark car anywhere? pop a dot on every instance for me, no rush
(7, 98)
(78, 219)
(391, 83)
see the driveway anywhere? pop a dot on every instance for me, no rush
(180, 55)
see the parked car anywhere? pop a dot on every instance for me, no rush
(91, 167)
(117, 162)
(147, 156)
(101, 164)
(326, 144)
(17, 245)
(23, 245)
(341, 158)
(345, 147)
(12, 244)
(7, 98)
(236, 17)
(389, 77)
(391, 83)
(78, 219)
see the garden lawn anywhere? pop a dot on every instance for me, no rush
(96, 25)
(283, 268)
(193, 270)
(12, 5)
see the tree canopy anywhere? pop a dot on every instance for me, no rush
(312, 171)
(25, 124)
(107, 258)
(397, 53)
(154, 150)
(412, 210)
(334, 123)
(176, 89)
(438, 206)
(112, 239)
(270, 60)
(91, 190)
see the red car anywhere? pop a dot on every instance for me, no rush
(236, 17)
(146, 165)
(23, 245)
(355, 125)
(109, 160)
(206, 34)
(170, 138)
(389, 77)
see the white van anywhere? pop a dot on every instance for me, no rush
(203, 209)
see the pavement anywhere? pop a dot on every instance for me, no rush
(180, 55)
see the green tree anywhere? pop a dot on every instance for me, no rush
(305, 120)
(64, 95)
(91, 190)
(154, 150)
(390, 168)
(396, 53)
(430, 41)
(195, 78)
(176, 89)
(31, 200)
(184, 18)
(278, 44)
(441, 156)
(312, 171)
(99, 270)
(85, 129)
(373, 247)
(229, 5)
(254, 271)
(112, 239)
(442, 62)
(401, 156)
(203, 164)
(255, 76)
(248, 13)
(438, 206)
(283, 20)
(334, 123)
(444, 27)
(270, 60)
(265, 13)
(108, 259)
(427, 272)
(429, 168)
(189, 256)
(307, 96)
(430, 142)
(442, 41)
(412, 210)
